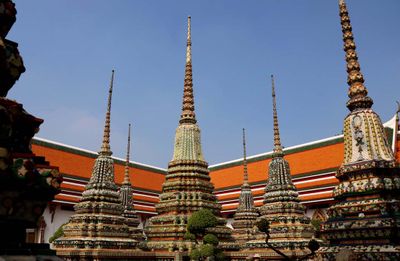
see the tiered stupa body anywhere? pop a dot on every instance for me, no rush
(367, 215)
(187, 187)
(126, 190)
(246, 214)
(290, 229)
(97, 229)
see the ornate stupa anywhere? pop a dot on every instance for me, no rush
(125, 191)
(246, 214)
(290, 229)
(187, 187)
(366, 217)
(97, 229)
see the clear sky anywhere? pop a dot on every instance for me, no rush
(70, 47)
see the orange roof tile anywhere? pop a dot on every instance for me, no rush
(81, 166)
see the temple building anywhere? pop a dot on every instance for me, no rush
(364, 220)
(289, 227)
(246, 214)
(97, 229)
(187, 187)
(313, 168)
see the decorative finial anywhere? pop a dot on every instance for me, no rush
(188, 115)
(189, 42)
(398, 107)
(277, 139)
(128, 147)
(245, 173)
(357, 91)
(105, 147)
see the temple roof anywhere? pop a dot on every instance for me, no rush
(314, 180)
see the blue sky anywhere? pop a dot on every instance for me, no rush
(70, 47)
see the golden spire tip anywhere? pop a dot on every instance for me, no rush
(277, 138)
(128, 148)
(245, 172)
(188, 115)
(189, 41)
(105, 147)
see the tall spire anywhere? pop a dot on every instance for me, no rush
(353, 221)
(245, 173)
(188, 115)
(246, 214)
(125, 194)
(105, 146)
(128, 147)
(277, 140)
(290, 228)
(98, 227)
(187, 187)
(357, 93)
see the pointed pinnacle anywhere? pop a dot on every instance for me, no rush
(357, 92)
(126, 170)
(277, 138)
(189, 42)
(188, 115)
(105, 147)
(245, 172)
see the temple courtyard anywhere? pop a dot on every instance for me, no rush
(331, 198)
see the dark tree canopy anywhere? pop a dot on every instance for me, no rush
(200, 221)
(210, 239)
(197, 227)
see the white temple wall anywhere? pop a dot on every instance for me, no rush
(61, 216)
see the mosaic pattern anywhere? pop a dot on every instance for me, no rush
(187, 187)
(365, 219)
(246, 214)
(11, 64)
(290, 229)
(126, 191)
(98, 225)
(27, 182)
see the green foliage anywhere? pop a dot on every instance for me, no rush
(189, 236)
(200, 221)
(59, 233)
(195, 254)
(207, 250)
(202, 252)
(196, 228)
(220, 256)
(210, 239)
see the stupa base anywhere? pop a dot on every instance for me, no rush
(359, 252)
(117, 254)
(264, 254)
